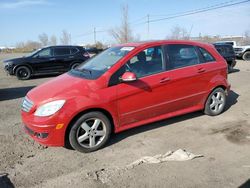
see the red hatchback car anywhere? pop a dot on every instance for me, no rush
(124, 87)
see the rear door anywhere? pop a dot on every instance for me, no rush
(63, 58)
(206, 70)
(185, 88)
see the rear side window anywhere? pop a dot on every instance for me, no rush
(61, 51)
(73, 50)
(206, 55)
(180, 55)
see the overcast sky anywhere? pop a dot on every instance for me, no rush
(22, 20)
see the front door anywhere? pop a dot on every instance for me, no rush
(146, 97)
(43, 61)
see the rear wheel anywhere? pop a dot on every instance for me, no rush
(229, 67)
(23, 73)
(216, 102)
(246, 56)
(75, 65)
(90, 132)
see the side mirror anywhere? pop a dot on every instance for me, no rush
(128, 77)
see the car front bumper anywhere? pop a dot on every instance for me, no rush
(8, 69)
(48, 131)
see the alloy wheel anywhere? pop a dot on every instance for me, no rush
(217, 102)
(91, 133)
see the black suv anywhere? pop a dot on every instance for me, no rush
(52, 59)
(227, 51)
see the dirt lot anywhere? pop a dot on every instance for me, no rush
(223, 140)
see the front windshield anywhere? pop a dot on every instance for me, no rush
(99, 64)
(32, 53)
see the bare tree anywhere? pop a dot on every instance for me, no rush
(66, 37)
(44, 39)
(53, 40)
(123, 33)
(179, 33)
(28, 46)
(246, 40)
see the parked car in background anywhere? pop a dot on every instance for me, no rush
(52, 59)
(227, 51)
(122, 88)
(240, 51)
(93, 51)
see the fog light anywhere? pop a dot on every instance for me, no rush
(42, 135)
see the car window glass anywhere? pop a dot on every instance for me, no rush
(73, 50)
(207, 56)
(146, 62)
(44, 53)
(61, 51)
(181, 56)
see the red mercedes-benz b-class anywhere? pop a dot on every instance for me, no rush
(123, 87)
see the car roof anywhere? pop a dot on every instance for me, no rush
(164, 42)
(67, 46)
(221, 44)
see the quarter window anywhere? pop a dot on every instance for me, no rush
(206, 55)
(146, 62)
(180, 55)
(61, 51)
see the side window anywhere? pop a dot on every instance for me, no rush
(180, 55)
(147, 62)
(61, 51)
(73, 50)
(207, 56)
(44, 53)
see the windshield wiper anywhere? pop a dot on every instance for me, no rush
(84, 70)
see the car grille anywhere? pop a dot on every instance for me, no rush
(237, 49)
(27, 104)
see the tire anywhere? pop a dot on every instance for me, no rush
(229, 67)
(90, 132)
(216, 102)
(73, 66)
(23, 73)
(246, 56)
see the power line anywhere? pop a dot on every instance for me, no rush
(169, 16)
(189, 11)
(199, 11)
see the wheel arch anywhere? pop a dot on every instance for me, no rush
(23, 65)
(77, 116)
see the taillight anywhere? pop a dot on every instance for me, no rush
(86, 54)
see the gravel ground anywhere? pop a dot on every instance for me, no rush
(223, 140)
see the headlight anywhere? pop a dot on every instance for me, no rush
(49, 108)
(8, 62)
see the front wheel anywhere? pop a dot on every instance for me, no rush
(23, 73)
(90, 132)
(246, 56)
(216, 102)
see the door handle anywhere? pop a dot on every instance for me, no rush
(52, 59)
(201, 70)
(163, 80)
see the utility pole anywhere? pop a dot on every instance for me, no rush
(94, 35)
(148, 24)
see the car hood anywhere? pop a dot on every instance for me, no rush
(62, 87)
(247, 46)
(15, 60)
